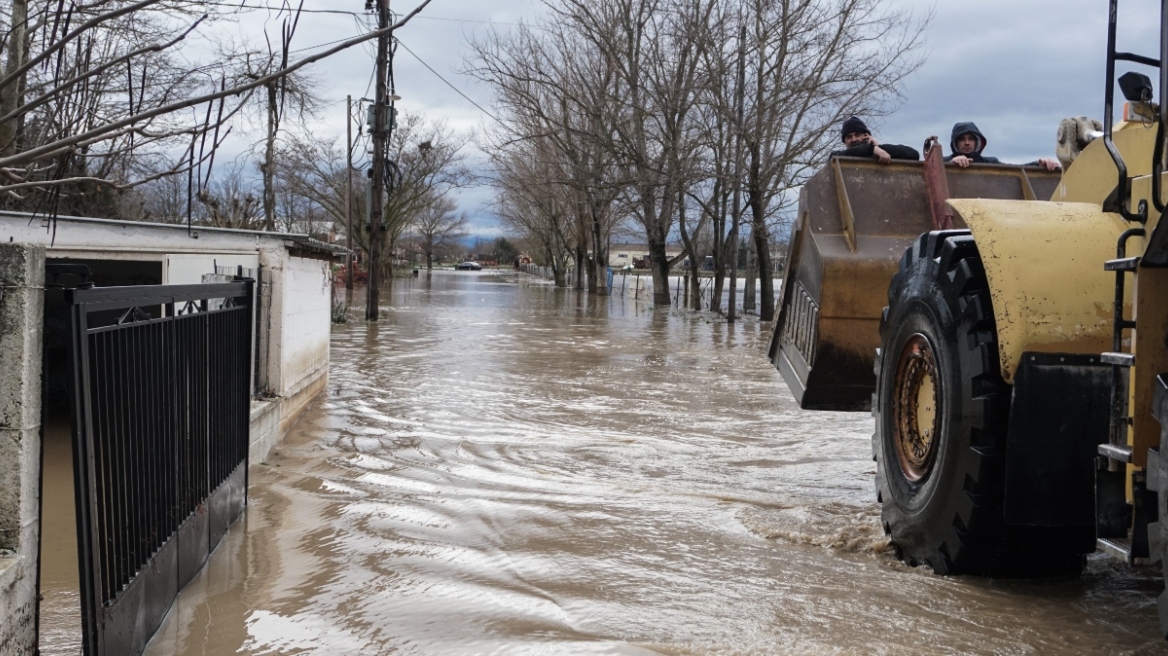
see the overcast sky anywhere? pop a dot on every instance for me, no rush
(1014, 67)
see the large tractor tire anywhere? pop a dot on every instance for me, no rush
(1158, 483)
(941, 412)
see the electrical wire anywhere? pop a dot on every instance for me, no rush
(240, 5)
(456, 89)
(467, 20)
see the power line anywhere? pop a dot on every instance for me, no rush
(456, 89)
(468, 20)
(352, 13)
(319, 45)
(241, 5)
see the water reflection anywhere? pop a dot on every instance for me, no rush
(502, 467)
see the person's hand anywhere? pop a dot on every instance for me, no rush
(1049, 164)
(881, 155)
(962, 161)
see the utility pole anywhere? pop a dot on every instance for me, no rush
(379, 143)
(349, 191)
(737, 219)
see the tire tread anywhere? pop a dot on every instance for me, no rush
(975, 539)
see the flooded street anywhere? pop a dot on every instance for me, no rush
(501, 467)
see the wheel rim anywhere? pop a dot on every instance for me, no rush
(916, 409)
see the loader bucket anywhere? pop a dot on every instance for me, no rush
(856, 219)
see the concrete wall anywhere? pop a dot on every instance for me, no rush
(294, 340)
(294, 343)
(306, 327)
(297, 306)
(22, 270)
(296, 297)
(307, 321)
(265, 431)
(189, 268)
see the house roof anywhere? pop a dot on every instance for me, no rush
(77, 232)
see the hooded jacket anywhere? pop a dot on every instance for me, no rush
(970, 128)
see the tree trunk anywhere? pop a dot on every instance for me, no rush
(748, 287)
(602, 274)
(600, 252)
(721, 245)
(269, 165)
(766, 310)
(691, 251)
(659, 263)
(10, 96)
(387, 253)
(429, 260)
(695, 287)
(719, 283)
(580, 262)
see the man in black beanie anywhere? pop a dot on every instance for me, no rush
(858, 142)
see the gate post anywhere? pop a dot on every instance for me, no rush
(22, 281)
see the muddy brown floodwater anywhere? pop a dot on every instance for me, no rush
(500, 467)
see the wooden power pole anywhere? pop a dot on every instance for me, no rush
(349, 191)
(380, 137)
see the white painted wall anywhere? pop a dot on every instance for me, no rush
(293, 339)
(188, 269)
(306, 319)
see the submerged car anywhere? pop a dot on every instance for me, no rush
(468, 266)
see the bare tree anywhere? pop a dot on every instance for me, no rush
(656, 46)
(163, 200)
(230, 201)
(66, 74)
(533, 204)
(557, 91)
(634, 102)
(289, 96)
(438, 225)
(621, 76)
(813, 63)
(427, 164)
(311, 172)
(85, 85)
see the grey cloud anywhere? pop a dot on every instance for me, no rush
(1015, 68)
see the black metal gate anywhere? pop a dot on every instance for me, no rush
(161, 382)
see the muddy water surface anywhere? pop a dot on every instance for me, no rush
(500, 467)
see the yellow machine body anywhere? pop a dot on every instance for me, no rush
(1044, 262)
(1050, 292)
(1092, 177)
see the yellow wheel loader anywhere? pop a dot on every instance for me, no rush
(1017, 367)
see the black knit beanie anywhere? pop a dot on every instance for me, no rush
(854, 124)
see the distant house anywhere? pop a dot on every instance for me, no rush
(636, 255)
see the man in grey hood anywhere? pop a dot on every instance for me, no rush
(968, 143)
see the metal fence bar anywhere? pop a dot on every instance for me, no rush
(161, 393)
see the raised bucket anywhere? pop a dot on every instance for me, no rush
(856, 219)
